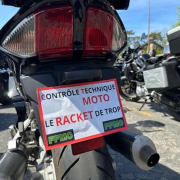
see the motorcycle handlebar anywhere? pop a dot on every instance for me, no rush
(140, 47)
(131, 60)
(134, 52)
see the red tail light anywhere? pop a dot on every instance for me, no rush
(54, 32)
(49, 34)
(89, 145)
(102, 33)
(98, 32)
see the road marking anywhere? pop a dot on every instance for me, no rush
(140, 112)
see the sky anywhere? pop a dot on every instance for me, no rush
(163, 15)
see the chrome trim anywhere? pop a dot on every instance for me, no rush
(140, 142)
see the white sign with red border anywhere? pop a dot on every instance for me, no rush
(78, 112)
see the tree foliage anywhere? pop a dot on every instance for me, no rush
(178, 21)
(134, 40)
(130, 35)
(157, 38)
(131, 32)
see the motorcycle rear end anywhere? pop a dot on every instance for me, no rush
(61, 43)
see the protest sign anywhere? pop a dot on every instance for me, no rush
(78, 112)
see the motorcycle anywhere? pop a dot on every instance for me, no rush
(134, 64)
(120, 65)
(153, 78)
(62, 53)
(4, 81)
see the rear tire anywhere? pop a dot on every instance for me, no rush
(92, 165)
(175, 114)
(124, 95)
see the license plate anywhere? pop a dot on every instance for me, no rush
(79, 112)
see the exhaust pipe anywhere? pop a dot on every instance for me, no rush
(13, 165)
(138, 149)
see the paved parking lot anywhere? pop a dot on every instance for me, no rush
(155, 122)
(152, 121)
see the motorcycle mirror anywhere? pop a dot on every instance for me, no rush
(120, 4)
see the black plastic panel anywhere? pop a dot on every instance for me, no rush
(82, 75)
(31, 83)
(16, 3)
(2, 60)
(120, 4)
(174, 40)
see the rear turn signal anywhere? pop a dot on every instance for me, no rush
(89, 145)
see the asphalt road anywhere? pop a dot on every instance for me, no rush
(152, 121)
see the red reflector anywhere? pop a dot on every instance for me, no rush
(98, 32)
(54, 32)
(86, 146)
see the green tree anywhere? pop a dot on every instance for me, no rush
(136, 41)
(130, 35)
(164, 37)
(131, 32)
(156, 36)
(178, 22)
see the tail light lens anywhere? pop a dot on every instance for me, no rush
(21, 40)
(102, 33)
(98, 32)
(89, 145)
(119, 36)
(49, 34)
(54, 32)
